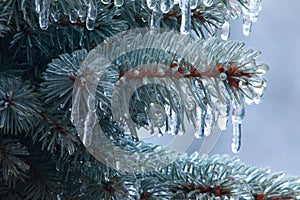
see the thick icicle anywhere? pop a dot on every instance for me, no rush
(44, 9)
(185, 17)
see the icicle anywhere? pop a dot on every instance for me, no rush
(155, 20)
(151, 4)
(92, 10)
(209, 121)
(55, 14)
(81, 14)
(200, 122)
(38, 5)
(246, 25)
(235, 9)
(44, 13)
(71, 149)
(186, 17)
(237, 118)
(91, 15)
(166, 5)
(225, 30)
(118, 3)
(172, 125)
(254, 7)
(89, 124)
(157, 115)
(236, 137)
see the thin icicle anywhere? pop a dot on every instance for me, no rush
(91, 15)
(209, 121)
(38, 5)
(200, 122)
(238, 113)
(185, 17)
(44, 9)
(155, 20)
(246, 25)
(225, 30)
(92, 10)
(89, 124)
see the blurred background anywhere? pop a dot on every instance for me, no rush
(271, 136)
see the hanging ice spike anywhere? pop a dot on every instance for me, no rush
(185, 17)
(43, 8)
(91, 15)
(238, 113)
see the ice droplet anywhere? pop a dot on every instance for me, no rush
(223, 76)
(118, 3)
(151, 4)
(105, 1)
(225, 32)
(166, 5)
(90, 24)
(73, 16)
(186, 17)
(55, 15)
(208, 3)
(44, 14)
(194, 4)
(71, 149)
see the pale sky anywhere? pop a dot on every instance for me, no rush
(271, 136)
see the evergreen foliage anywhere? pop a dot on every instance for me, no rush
(41, 156)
